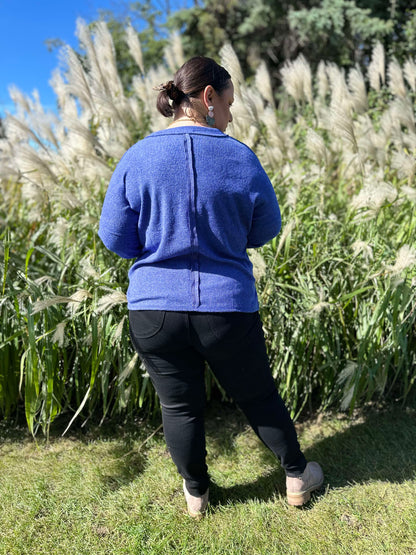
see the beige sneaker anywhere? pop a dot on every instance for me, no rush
(196, 504)
(299, 489)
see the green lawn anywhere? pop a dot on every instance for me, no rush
(109, 491)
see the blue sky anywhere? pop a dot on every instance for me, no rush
(25, 25)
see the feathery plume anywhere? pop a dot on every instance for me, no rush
(258, 262)
(58, 233)
(356, 85)
(247, 110)
(174, 52)
(396, 81)
(21, 101)
(135, 49)
(409, 192)
(264, 84)
(361, 247)
(404, 164)
(45, 125)
(401, 110)
(115, 139)
(269, 155)
(376, 68)
(118, 331)
(44, 279)
(406, 258)
(64, 198)
(177, 49)
(88, 269)
(102, 75)
(343, 125)
(409, 70)
(292, 196)
(316, 147)
(33, 166)
(373, 196)
(387, 124)
(297, 79)
(36, 198)
(59, 335)
(409, 141)
(287, 230)
(39, 306)
(340, 94)
(58, 85)
(322, 80)
(107, 302)
(252, 104)
(75, 300)
(321, 305)
(18, 130)
(128, 369)
(77, 80)
(8, 169)
(230, 62)
(278, 137)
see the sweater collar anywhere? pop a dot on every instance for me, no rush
(189, 129)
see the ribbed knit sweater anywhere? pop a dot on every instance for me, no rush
(186, 203)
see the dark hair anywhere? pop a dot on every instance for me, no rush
(190, 79)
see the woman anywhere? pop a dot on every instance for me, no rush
(186, 203)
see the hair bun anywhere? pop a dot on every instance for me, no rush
(173, 92)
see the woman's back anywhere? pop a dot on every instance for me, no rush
(193, 200)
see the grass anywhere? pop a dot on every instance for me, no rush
(109, 491)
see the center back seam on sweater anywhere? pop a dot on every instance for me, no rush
(194, 262)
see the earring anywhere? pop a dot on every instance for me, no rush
(210, 116)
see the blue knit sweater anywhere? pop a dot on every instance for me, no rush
(186, 203)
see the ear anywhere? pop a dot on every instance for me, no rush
(208, 94)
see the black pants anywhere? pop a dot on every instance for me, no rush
(174, 347)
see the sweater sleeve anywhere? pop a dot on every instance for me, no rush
(119, 222)
(266, 222)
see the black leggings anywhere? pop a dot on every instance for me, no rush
(174, 347)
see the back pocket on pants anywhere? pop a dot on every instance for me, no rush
(144, 324)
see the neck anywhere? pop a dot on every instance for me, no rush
(185, 120)
(189, 115)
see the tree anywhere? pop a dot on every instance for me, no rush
(339, 31)
(402, 40)
(342, 31)
(257, 29)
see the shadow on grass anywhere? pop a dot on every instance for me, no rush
(380, 446)
(124, 455)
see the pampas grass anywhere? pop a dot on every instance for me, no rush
(297, 80)
(135, 47)
(335, 287)
(376, 68)
(356, 84)
(409, 71)
(406, 258)
(396, 80)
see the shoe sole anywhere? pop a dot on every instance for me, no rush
(196, 516)
(302, 497)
